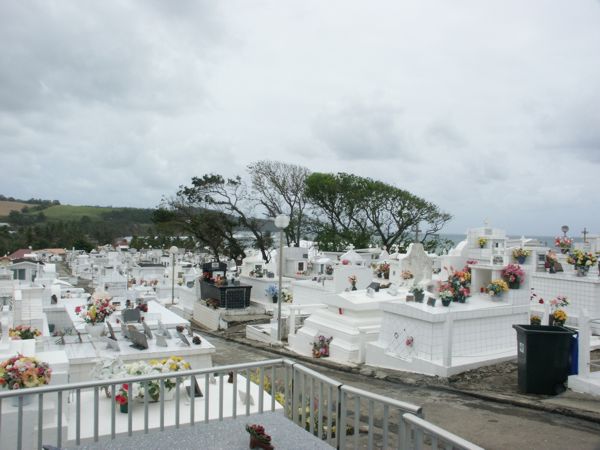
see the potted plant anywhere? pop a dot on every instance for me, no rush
(521, 254)
(384, 269)
(460, 283)
(482, 241)
(535, 320)
(446, 295)
(272, 292)
(122, 398)
(21, 372)
(514, 275)
(418, 293)
(95, 314)
(497, 287)
(582, 261)
(564, 243)
(258, 437)
(558, 316)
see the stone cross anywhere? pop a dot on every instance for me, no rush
(350, 247)
(522, 241)
(416, 229)
(585, 233)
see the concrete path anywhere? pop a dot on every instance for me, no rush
(489, 424)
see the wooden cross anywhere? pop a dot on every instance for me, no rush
(585, 233)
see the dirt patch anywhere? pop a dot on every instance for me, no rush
(6, 207)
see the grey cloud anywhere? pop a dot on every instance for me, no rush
(359, 131)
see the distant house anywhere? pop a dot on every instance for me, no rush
(21, 254)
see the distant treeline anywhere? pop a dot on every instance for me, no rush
(31, 201)
(38, 231)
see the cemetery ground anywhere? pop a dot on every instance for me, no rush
(482, 405)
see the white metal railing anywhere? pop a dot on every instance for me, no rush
(584, 362)
(342, 415)
(423, 432)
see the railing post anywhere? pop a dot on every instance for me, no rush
(584, 344)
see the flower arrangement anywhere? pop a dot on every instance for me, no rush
(352, 280)
(497, 287)
(459, 282)
(419, 293)
(258, 437)
(563, 242)
(535, 320)
(321, 347)
(345, 262)
(286, 296)
(23, 332)
(21, 372)
(122, 397)
(166, 365)
(559, 316)
(384, 268)
(520, 254)
(445, 293)
(97, 311)
(272, 291)
(328, 270)
(482, 241)
(407, 275)
(514, 275)
(559, 301)
(582, 260)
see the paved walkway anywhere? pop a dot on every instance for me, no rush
(489, 419)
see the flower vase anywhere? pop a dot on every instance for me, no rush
(551, 269)
(379, 275)
(95, 330)
(353, 287)
(275, 299)
(27, 399)
(462, 299)
(581, 271)
(446, 302)
(419, 297)
(514, 285)
(551, 320)
(564, 251)
(386, 275)
(521, 259)
(123, 407)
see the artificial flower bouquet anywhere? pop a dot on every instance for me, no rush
(97, 311)
(23, 332)
(497, 287)
(21, 372)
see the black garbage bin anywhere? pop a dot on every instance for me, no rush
(543, 358)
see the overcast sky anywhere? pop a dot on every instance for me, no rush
(490, 109)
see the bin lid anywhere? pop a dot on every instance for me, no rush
(542, 329)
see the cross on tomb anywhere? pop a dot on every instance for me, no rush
(585, 233)
(416, 229)
(350, 247)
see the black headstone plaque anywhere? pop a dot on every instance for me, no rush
(131, 315)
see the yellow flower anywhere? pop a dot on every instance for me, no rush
(187, 365)
(173, 367)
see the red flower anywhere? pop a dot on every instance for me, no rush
(77, 309)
